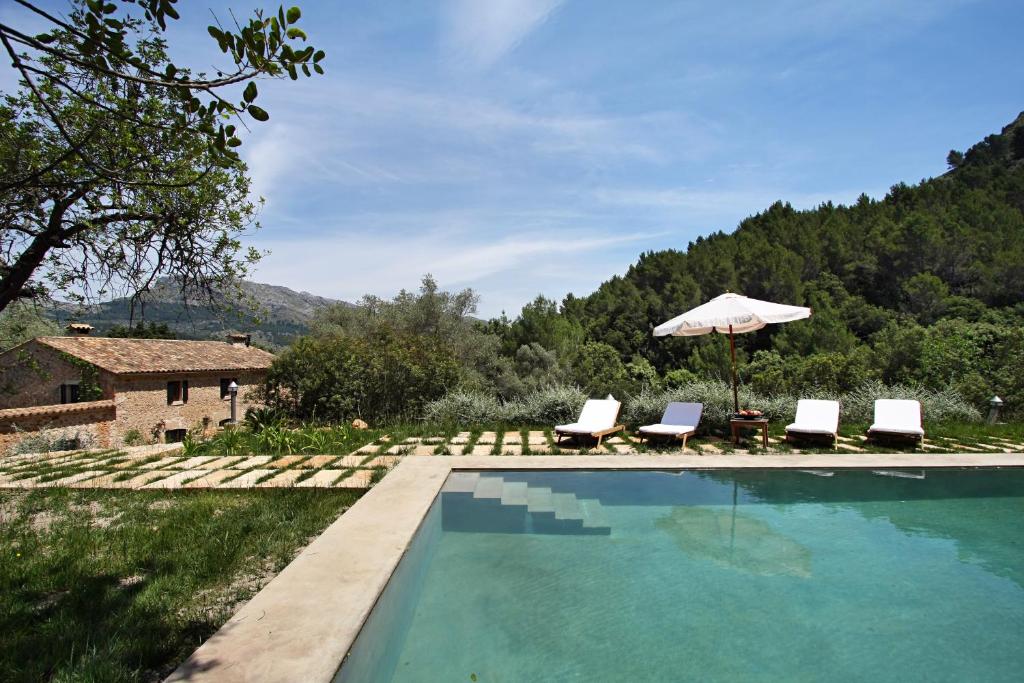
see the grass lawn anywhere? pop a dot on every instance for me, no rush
(123, 585)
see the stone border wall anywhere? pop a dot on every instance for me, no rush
(91, 422)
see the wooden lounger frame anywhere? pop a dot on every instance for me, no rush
(811, 436)
(880, 434)
(681, 435)
(597, 435)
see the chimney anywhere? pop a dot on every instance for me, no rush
(240, 339)
(79, 329)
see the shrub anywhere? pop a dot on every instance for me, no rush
(132, 438)
(384, 377)
(856, 405)
(464, 408)
(944, 405)
(553, 405)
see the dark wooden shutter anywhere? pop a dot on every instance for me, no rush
(172, 392)
(184, 391)
(63, 393)
(74, 397)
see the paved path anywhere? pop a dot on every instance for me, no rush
(165, 466)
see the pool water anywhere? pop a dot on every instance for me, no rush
(708, 576)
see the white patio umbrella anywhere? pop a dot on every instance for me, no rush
(730, 314)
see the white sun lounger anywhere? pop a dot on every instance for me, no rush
(815, 418)
(597, 420)
(897, 418)
(679, 421)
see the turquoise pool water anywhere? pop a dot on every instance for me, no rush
(708, 576)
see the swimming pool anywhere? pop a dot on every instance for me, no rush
(707, 575)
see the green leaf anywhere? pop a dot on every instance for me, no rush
(320, 54)
(296, 33)
(319, 69)
(46, 38)
(215, 32)
(250, 92)
(257, 113)
(293, 15)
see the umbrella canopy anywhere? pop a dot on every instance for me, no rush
(730, 314)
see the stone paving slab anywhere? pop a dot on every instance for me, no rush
(487, 437)
(511, 449)
(370, 448)
(286, 461)
(283, 480)
(253, 461)
(401, 449)
(161, 463)
(174, 481)
(423, 449)
(141, 480)
(246, 480)
(221, 463)
(197, 462)
(388, 461)
(360, 479)
(322, 479)
(74, 478)
(511, 438)
(484, 449)
(210, 479)
(106, 481)
(318, 461)
(460, 438)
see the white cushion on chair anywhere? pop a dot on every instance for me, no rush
(897, 416)
(596, 416)
(669, 430)
(816, 417)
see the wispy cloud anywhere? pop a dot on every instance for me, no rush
(478, 33)
(352, 263)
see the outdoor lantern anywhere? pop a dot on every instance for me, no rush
(233, 390)
(994, 404)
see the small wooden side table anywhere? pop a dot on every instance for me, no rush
(736, 424)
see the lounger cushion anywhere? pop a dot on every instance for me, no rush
(596, 416)
(816, 417)
(897, 416)
(893, 429)
(678, 413)
(670, 430)
(808, 429)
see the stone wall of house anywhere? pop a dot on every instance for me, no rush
(31, 375)
(77, 425)
(142, 403)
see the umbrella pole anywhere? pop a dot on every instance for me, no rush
(735, 386)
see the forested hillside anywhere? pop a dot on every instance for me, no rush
(921, 289)
(923, 286)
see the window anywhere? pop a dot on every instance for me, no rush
(177, 392)
(225, 382)
(175, 435)
(69, 392)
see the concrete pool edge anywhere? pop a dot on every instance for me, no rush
(303, 623)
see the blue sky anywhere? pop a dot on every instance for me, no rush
(538, 146)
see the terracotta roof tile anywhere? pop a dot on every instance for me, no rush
(55, 409)
(131, 356)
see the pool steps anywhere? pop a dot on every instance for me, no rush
(565, 507)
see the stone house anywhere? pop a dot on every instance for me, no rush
(106, 389)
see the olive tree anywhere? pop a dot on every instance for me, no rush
(118, 167)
